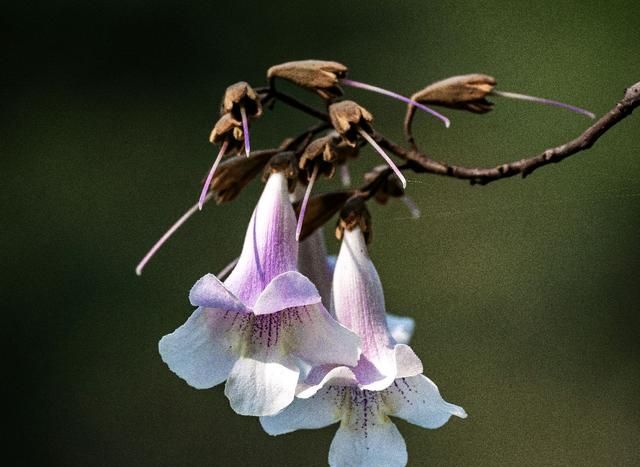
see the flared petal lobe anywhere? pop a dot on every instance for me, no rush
(270, 247)
(318, 339)
(382, 446)
(262, 384)
(418, 401)
(288, 290)
(203, 350)
(303, 414)
(209, 292)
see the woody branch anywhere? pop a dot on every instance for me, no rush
(420, 162)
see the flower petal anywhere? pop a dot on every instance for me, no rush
(323, 376)
(288, 290)
(391, 363)
(203, 350)
(261, 386)
(401, 328)
(418, 401)
(303, 414)
(374, 443)
(407, 362)
(358, 299)
(319, 339)
(270, 246)
(209, 292)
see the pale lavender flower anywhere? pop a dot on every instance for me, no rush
(265, 324)
(400, 327)
(387, 381)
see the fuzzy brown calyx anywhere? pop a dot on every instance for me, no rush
(320, 152)
(238, 95)
(354, 214)
(320, 76)
(465, 92)
(347, 117)
(227, 129)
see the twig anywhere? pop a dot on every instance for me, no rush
(421, 163)
(295, 103)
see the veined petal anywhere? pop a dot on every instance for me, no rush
(260, 385)
(401, 328)
(358, 300)
(209, 292)
(203, 350)
(318, 339)
(304, 414)
(383, 446)
(366, 437)
(288, 290)
(418, 401)
(270, 246)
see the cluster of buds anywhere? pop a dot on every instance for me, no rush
(308, 350)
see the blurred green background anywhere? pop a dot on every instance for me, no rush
(525, 292)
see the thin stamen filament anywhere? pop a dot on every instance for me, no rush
(412, 206)
(185, 217)
(305, 200)
(395, 95)
(205, 188)
(388, 160)
(245, 130)
(542, 100)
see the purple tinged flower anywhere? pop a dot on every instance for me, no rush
(358, 303)
(400, 327)
(264, 324)
(387, 381)
(314, 263)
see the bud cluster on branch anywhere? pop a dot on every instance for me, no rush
(302, 340)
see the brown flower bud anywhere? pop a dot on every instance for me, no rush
(227, 129)
(466, 92)
(321, 152)
(318, 75)
(386, 187)
(284, 162)
(239, 95)
(347, 117)
(354, 214)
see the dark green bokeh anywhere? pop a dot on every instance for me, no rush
(525, 293)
